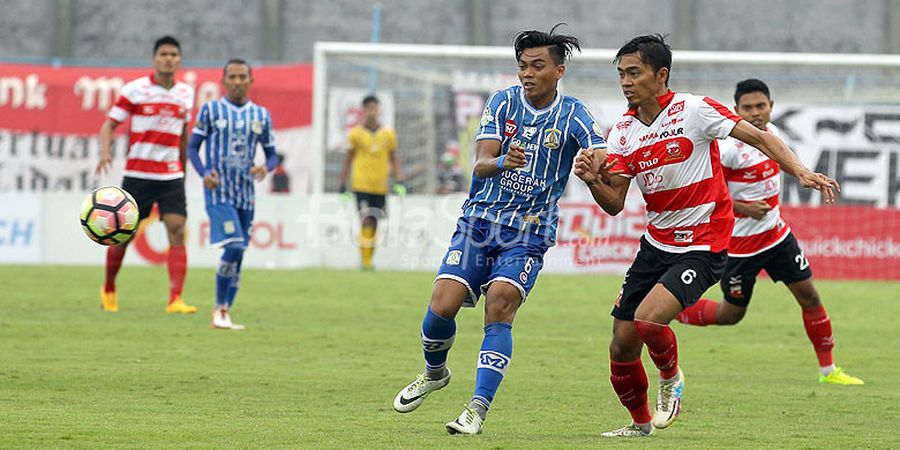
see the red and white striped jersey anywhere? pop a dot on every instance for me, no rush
(752, 176)
(158, 116)
(675, 161)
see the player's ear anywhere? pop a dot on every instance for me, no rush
(662, 76)
(560, 71)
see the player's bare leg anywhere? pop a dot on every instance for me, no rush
(629, 379)
(438, 334)
(651, 320)
(818, 329)
(176, 263)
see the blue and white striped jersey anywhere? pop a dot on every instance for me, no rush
(232, 133)
(526, 198)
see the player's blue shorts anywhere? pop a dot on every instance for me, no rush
(482, 252)
(228, 224)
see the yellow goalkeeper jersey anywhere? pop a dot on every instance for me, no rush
(372, 150)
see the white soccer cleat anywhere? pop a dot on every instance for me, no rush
(469, 422)
(668, 401)
(414, 393)
(627, 431)
(222, 320)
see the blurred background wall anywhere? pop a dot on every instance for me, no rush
(285, 30)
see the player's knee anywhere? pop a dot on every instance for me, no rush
(730, 317)
(176, 233)
(447, 297)
(501, 302)
(808, 297)
(620, 350)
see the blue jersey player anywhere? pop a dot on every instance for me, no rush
(526, 144)
(232, 128)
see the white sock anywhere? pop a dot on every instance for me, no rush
(825, 371)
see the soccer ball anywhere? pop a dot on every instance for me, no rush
(109, 215)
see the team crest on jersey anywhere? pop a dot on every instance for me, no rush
(221, 124)
(676, 108)
(622, 140)
(551, 138)
(528, 132)
(486, 116)
(256, 126)
(509, 128)
(453, 257)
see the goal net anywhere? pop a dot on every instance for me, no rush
(840, 113)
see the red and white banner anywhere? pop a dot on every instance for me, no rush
(50, 117)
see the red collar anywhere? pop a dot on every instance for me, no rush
(663, 101)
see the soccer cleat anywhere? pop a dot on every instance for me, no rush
(414, 394)
(469, 422)
(108, 300)
(668, 401)
(632, 430)
(838, 376)
(180, 307)
(222, 320)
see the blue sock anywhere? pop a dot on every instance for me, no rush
(235, 282)
(438, 334)
(228, 268)
(496, 353)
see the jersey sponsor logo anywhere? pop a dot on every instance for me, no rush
(673, 121)
(664, 135)
(621, 125)
(532, 219)
(509, 129)
(256, 126)
(528, 132)
(518, 182)
(221, 124)
(486, 116)
(684, 236)
(552, 138)
(676, 108)
(454, 257)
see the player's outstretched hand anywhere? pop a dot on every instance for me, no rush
(515, 157)
(103, 165)
(585, 167)
(211, 181)
(259, 172)
(822, 183)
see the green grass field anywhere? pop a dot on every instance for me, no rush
(326, 351)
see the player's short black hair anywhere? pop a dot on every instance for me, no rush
(166, 40)
(237, 61)
(750, 86)
(559, 45)
(370, 99)
(651, 49)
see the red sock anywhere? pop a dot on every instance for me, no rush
(701, 313)
(114, 256)
(818, 328)
(177, 264)
(630, 383)
(661, 345)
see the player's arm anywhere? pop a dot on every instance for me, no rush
(345, 172)
(182, 145)
(609, 188)
(756, 209)
(775, 149)
(399, 188)
(489, 162)
(106, 137)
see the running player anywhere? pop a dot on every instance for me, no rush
(667, 142)
(527, 141)
(232, 127)
(371, 157)
(762, 240)
(160, 109)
